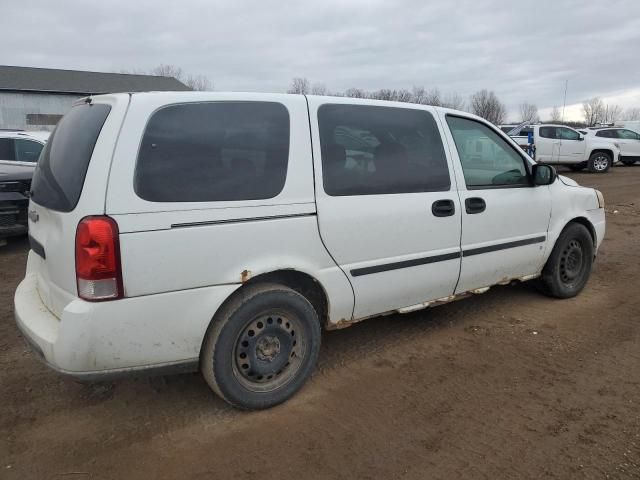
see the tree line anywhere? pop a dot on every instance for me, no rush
(484, 103)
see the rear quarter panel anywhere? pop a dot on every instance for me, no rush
(175, 246)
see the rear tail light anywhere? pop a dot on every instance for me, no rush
(98, 268)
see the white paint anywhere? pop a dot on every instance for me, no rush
(568, 152)
(175, 279)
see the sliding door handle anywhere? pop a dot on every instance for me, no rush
(474, 205)
(443, 208)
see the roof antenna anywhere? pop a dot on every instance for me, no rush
(564, 103)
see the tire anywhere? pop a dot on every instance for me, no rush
(627, 161)
(599, 162)
(261, 347)
(568, 268)
(576, 167)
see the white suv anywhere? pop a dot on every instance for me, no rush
(22, 148)
(222, 231)
(626, 140)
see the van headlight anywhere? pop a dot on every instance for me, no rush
(600, 199)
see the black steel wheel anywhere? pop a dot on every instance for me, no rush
(261, 346)
(269, 351)
(569, 266)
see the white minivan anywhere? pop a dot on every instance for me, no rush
(222, 231)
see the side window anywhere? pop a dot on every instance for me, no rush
(606, 134)
(216, 151)
(7, 149)
(628, 135)
(369, 150)
(548, 132)
(568, 134)
(487, 159)
(27, 150)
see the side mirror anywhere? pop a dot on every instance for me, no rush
(580, 138)
(543, 174)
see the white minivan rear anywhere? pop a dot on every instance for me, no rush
(220, 232)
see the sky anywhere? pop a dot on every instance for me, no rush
(523, 53)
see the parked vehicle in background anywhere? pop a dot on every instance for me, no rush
(222, 231)
(523, 130)
(15, 182)
(561, 145)
(625, 139)
(19, 152)
(21, 147)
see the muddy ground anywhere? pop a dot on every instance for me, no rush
(509, 384)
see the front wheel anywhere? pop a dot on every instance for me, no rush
(261, 347)
(568, 268)
(599, 162)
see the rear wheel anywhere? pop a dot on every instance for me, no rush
(569, 265)
(261, 347)
(599, 162)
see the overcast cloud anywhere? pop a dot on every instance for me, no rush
(523, 53)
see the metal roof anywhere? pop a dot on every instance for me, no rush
(30, 79)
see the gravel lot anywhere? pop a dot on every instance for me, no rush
(509, 384)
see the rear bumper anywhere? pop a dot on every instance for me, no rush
(155, 334)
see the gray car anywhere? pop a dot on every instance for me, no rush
(15, 182)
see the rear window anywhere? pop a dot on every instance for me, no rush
(548, 132)
(59, 176)
(216, 151)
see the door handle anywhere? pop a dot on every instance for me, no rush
(474, 205)
(443, 208)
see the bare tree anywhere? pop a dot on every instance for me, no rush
(529, 113)
(592, 110)
(163, 70)
(403, 95)
(433, 97)
(556, 116)
(418, 94)
(355, 93)
(318, 89)
(486, 104)
(299, 85)
(194, 82)
(198, 82)
(611, 113)
(382, 94)
(631, 114)
(454, 101)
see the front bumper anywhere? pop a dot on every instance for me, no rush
(13, 217)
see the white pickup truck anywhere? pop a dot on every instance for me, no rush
(558, 144)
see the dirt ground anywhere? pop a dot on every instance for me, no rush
(509, 384)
